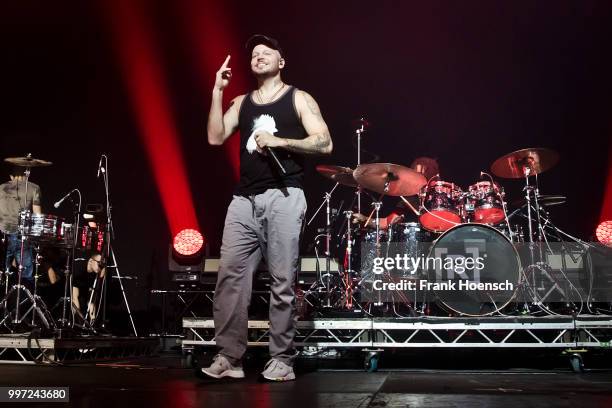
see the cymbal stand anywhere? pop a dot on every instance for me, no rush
(533, 206)
(326, 202)
(19, 286)
(359, 131)
(348, 262)
(377, 205)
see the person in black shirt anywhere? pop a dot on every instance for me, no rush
(278, 124)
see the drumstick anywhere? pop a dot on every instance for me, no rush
(369, 218)
(410, 205)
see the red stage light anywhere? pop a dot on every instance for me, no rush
(203, 22)
(188, 242)
(133, 31)
(604, 233)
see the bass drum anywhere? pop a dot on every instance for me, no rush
(473, 270)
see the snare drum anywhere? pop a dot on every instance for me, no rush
(441, 202)
(41, 227)
(484, 202)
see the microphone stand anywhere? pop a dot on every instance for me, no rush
(110, 254)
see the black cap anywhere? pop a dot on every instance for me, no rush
(257, 39)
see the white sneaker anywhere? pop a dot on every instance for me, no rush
(276, 370)
(221, 367)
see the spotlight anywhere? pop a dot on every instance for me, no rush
(186, 258)
(188, 243)
(604, 233)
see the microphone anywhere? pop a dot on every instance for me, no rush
(271, 152)
(61, 200)
(99, 167)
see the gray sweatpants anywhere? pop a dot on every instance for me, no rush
(268, 225)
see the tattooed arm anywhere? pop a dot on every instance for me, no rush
(318, 140)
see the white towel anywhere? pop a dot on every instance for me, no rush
(262, 122)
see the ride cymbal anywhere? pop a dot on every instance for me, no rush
(395, 179)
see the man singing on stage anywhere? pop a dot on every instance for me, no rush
(278, 125)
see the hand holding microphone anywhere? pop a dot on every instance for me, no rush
(266, 140)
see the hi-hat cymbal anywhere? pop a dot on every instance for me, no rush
(339, 174)
(513, 165)
(27, 161)
(399, 180)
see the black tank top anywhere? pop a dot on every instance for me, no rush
(258, 172)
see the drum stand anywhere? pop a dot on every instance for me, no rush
(38, 306)
(547, 223)
(64, 323)
(537, 262)
(67, 298)
(326, 202)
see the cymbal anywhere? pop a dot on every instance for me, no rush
(537, 159)
(339, 174)
(544, 201)
(27, 161)
(403, 181)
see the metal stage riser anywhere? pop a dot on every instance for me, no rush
(471, 333)
(18, 349)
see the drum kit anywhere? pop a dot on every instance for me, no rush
(42, 233)
(447, 215)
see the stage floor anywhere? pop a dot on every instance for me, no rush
(161, 382)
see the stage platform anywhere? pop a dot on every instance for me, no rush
(27, 348)
(470, 332)
(572, 334)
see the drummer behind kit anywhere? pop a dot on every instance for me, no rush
(453, 224)
(50, 241)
